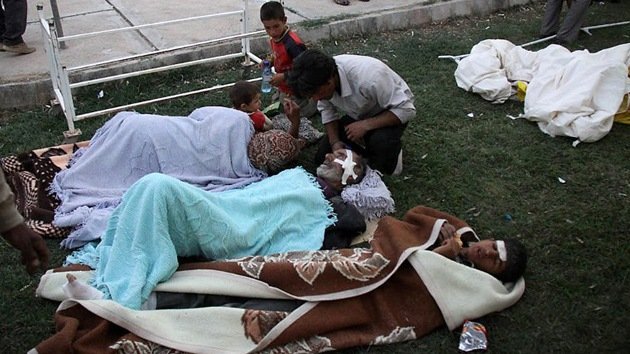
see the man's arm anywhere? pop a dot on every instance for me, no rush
(356, 130)
(34, 251)
(292, 111)
(332, 132)
(393, 94)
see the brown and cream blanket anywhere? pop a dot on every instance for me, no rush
(393, 291)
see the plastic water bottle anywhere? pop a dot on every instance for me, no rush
(266, 77)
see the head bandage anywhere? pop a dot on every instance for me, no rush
(348, 167)
(502, 250)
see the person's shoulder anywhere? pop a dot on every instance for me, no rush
(293, 35)
(217, 113)
(357, 60)
(258, 118)
(292, 40)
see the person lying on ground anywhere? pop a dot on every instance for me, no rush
(395, 290)
(506, 260)
(214, 148)
(161, 218)
(33, 249)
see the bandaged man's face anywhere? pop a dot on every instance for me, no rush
(332, 171)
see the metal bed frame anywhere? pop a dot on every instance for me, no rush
(54, 41)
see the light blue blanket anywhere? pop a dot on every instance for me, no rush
(207, 149)
(161, 218)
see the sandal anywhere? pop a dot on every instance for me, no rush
(342, 2)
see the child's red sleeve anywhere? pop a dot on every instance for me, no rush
(259, 120)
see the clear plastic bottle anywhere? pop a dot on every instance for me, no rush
(266, 77)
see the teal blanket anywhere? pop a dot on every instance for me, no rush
(161, 218)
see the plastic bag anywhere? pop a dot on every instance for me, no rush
(473, 337)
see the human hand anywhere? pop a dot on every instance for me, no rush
(356, 130)
(277, 79)
(35, 253)
(291, 110)
(447, 231)
(450, 248)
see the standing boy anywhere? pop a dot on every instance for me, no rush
(285, 47)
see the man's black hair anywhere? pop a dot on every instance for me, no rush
(311, 70)
(272, 10)
(516, 261)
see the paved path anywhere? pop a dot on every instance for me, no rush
(24, 80)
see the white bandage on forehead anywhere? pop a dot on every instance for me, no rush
(502, 250)
(348, 167)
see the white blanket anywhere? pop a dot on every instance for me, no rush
(574, 94)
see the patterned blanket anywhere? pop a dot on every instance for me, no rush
(393, 291)
(29, 175)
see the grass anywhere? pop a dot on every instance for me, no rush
(480, 169)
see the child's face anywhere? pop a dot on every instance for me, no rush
(253, 106)
(275, 28)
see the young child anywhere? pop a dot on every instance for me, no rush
(245, 96)
(285, 46)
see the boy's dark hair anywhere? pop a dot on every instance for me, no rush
(243, 92)
(310, 71)
(272, 10)
(516, 261)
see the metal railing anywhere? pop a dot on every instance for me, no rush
(587, 30)
(63, 85)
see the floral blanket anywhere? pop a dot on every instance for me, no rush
(395, 290)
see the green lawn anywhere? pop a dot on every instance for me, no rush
(481, 169)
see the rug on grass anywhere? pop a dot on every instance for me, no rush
(29, 176)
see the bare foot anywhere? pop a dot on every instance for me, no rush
(76, 289)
